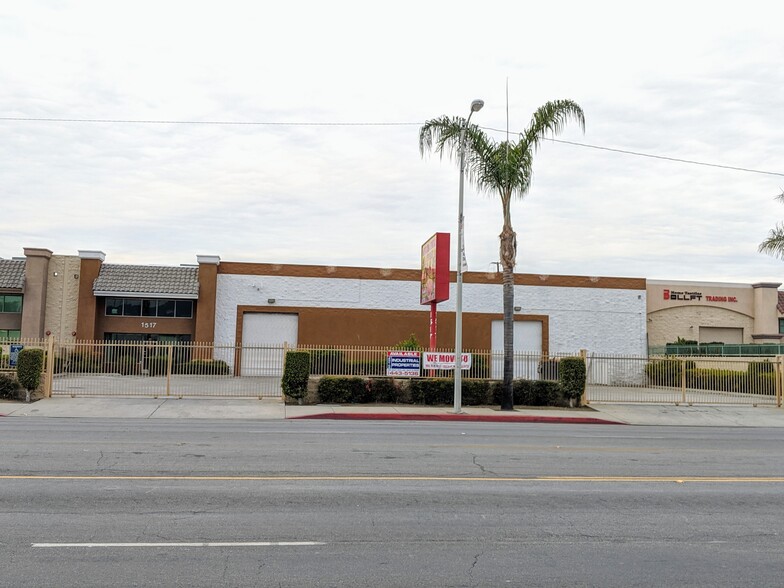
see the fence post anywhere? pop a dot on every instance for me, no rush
(683, 381)
(49, 367)
(779, 378)
(584, 396)
(169, 358)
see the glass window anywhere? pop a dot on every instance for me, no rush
(149, 308)
(10, 334)
(114, 306)
(10, 303)
(132, 307)
(166, 308)
(781, 325)
(184, 309)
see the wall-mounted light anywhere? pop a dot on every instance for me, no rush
(270, 301)
(55, 274)
(518, 308)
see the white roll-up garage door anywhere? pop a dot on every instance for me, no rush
(264, 336)
(527, 339)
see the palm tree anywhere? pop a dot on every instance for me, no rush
(504, 168)
(774, 244)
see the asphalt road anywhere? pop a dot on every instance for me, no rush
(304, 503)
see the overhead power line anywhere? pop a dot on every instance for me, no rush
(368, 124)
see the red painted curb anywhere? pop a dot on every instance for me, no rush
(456, 417)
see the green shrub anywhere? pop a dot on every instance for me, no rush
(29, 367)
(410, 344)
(664, 372)
(367, 367)
(572, 377)
(475, 392)
(326, 362)
(432, 391)
(343, 390)
(157, 365)
(385, 390)
(205, 367)
(10, 388)
(734, 381)
(760, 367)
(532, 393)
(296, 371)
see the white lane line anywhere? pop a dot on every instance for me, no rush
(189, 544)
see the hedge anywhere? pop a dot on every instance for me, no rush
(29, 367)
(296, 371)
(343, 390)
(572, 377)
(10, 388)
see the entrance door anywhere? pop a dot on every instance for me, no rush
(527, 348)
(264, 335)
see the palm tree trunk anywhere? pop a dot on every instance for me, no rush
(508, 255)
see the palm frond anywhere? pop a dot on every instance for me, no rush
(774, 244)
(551, 118)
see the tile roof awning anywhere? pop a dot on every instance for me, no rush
(149, 281)
(12, 274)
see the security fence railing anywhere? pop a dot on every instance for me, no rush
(212, 369)
(687, 380)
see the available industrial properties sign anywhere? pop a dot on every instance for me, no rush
(687, 296)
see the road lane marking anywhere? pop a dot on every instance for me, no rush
(189, 544)
(165, 478)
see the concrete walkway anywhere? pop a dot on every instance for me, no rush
(274, 409)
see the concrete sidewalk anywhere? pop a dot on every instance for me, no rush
(274, 409)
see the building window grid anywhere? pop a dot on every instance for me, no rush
(149, 307)
(10, 334)
(11, 303)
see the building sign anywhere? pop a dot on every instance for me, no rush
(13, 355)
(445, 361)
(403, 363)
(435, 269)
(690, 296)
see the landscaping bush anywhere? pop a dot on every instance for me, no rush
(475, 392)
(432, 391)
(572, 377)
(385, 390)
(296, 371)
(368, 367)
(410, 344)
(664, 372)
(157, 365)
(205, 367)
(343, 390)
(731, 381)
(10, 388)
(29, 367)
(326, 362)
(532, 393)
(760, 367)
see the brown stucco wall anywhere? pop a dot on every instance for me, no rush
(140, 324)
(85, 321)
(205, 306)
(362, 327)
(34, 303)
(367, 273)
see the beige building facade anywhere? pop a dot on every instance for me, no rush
(712, 312)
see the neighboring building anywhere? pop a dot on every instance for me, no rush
(709, 312)
(38, 295)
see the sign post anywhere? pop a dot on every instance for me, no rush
(435, 279)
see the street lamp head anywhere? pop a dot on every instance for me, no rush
(477, 105)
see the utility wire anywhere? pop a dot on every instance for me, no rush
(369, 124)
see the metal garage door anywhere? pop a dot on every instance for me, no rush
(264, 336)
(527, 347)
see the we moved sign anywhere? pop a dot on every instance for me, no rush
(434, 360)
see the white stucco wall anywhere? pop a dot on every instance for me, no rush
(598, 319)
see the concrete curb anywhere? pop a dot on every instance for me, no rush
(348, 416)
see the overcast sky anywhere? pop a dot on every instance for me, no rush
(689, 80)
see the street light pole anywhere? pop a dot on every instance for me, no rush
(476, 106)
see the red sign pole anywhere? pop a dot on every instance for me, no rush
(433, 326)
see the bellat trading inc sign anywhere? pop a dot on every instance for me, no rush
(697, 296)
